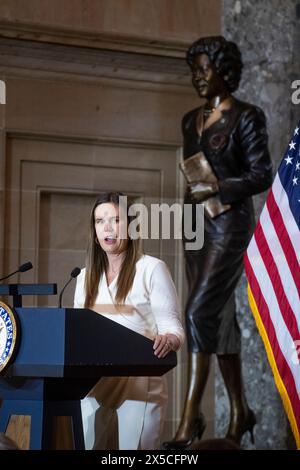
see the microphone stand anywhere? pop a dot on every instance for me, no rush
(11, 274)
(61, 294)
(74, 274)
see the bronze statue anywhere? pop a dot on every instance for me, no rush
(231, 136)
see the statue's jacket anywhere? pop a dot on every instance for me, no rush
(237, 148)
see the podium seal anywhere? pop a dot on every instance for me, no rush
(9, 335)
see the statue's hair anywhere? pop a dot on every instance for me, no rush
(224, 55)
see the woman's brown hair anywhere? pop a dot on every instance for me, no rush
(97, 262)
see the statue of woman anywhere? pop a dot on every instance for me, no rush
(232, 136)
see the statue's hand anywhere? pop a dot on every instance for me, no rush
(201, 191)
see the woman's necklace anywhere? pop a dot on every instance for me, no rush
(113, 271)
(111, 274)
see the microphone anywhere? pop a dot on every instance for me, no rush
(74, 274)
(22, 269)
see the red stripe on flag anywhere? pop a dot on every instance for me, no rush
(282, 366)
(270, 265)
(283, 234)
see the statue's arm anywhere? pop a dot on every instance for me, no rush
(256, 176)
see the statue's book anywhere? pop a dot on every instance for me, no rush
(197, 168)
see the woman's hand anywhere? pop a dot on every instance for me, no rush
(201, 191)
(163, 344)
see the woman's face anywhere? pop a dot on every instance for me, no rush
(111, 228)
(205, 78)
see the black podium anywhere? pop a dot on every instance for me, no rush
(62, 354)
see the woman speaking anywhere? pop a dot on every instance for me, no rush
(136, 291)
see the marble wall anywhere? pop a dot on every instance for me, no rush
(266, 32)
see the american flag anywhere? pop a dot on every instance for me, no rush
(272, 268)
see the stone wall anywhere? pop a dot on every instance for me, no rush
(266, 32)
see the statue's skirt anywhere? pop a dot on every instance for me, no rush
(213, 273)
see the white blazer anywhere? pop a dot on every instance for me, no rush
(128, 412)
